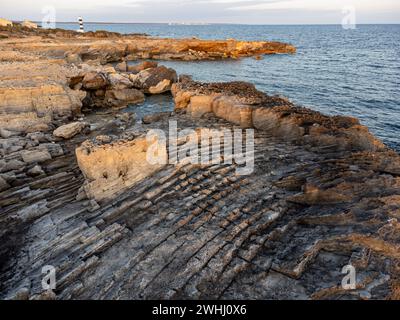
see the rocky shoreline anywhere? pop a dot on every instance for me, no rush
(76, 191)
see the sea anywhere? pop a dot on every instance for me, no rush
(353, 72)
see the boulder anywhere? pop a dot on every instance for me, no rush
(119, 81)
(70, 130)
(29, 24)
(181, 97)
(123, 97)
(149, 78)
(38, 155)
(111, 169)
(5, 23)
(142, 66)
(161, 87)
(94, 81)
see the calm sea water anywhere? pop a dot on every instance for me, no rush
(336, 71)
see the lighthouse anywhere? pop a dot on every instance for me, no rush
(80, 20)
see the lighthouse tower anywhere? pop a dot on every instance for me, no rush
(80, 20)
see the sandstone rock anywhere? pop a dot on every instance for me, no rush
(122, 66)
(119, 81)
(268, 120)
(161, 87)
(123, 97)
(31, 109)
(5, 23)
(153, 77)
(112, 168)
(341, 133)
(103, 52)
(229, 109)
(244, 105)
(94, 81)
(32, 156)
(106, 47)
(200, 105)
(103, 139)
(70, 130)
(29, 24)
(142, 66)
(181, 98)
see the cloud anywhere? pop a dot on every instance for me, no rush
(318, 5)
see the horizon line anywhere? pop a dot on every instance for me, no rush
(216, 23)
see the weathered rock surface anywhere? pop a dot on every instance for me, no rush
(70, 130)
(93, 81)
(243, 105)
(112, 168)
(283, 232)
(34, 94)
(142, 66)
(123, 97)
(108, 47)
(155, 80)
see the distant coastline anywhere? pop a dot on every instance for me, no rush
(206, 23)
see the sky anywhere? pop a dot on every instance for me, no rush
(206, 11)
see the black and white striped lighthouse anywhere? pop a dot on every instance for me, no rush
(80, 20)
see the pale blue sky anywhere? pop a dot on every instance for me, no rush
(211, 11)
